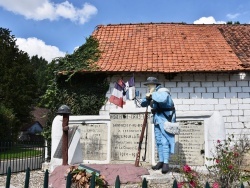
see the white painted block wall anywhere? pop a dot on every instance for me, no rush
(223, 92)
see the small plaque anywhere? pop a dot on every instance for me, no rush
(190, 144)
(94, 141)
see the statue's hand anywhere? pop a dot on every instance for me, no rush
(152, 90)
(149, 96)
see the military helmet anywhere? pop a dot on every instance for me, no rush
(64, 109)
(152, 81)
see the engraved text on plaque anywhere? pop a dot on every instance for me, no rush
(94, 141)
(125, 134)
(190, 143)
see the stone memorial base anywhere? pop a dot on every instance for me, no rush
(129, 175)
(114, 138)
(45, 166)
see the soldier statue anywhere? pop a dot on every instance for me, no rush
(162, 108)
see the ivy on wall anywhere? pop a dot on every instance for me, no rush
(76, 84)
(85, 94)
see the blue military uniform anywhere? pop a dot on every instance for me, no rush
(161, 104)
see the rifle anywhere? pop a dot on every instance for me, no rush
(137, 159)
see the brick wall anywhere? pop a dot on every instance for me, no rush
(223, 92)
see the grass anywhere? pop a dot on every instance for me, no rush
(18, 152)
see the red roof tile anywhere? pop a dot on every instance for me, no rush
(173, 47)
(238, 37)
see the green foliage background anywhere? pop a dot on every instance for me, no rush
(76, 83)
(18, 86)
(27, 82)
(7, 123)
(85, 94)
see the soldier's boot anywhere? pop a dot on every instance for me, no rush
(165, 168)
(157, 166)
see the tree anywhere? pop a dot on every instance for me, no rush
(7, 123)
(18, 82)
(42, 76)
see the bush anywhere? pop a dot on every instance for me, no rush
(227, 160)
(226, 169)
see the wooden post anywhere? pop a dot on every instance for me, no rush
(64, 110)
(65, 128)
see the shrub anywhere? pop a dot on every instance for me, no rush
(226, 162)
(226, 169)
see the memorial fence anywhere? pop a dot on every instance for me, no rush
(92, 181)
(20, 155)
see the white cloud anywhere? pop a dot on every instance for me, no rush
(86, 12)
(233, 16)
(44, 9)
(34, 46)
(66, 10)
(208, 20)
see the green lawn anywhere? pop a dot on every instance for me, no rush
(19, 153)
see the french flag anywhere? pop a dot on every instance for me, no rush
(130, 88)
(118, 96)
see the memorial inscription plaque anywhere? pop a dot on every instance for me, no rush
(125, 133)
(94, 140)
(190, 145)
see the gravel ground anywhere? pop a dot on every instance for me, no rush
(18, 179)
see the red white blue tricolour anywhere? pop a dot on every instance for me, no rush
(118, 96)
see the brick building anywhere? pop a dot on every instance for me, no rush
(205, 67)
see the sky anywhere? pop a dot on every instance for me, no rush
(53, 28)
